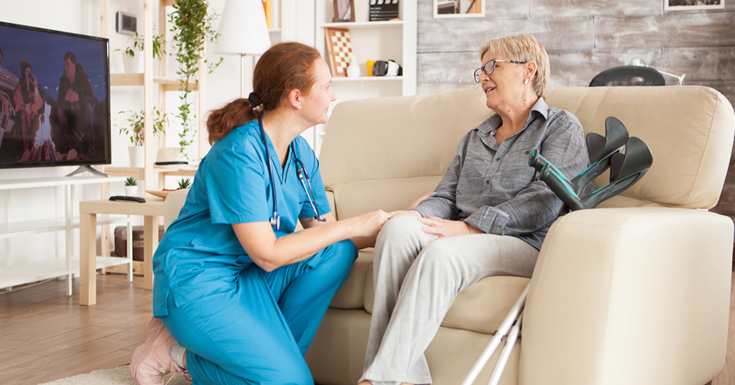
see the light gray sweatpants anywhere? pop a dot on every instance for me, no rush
(415, 285)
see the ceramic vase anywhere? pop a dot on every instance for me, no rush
(137, 156)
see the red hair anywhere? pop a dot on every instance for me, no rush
(284, 67)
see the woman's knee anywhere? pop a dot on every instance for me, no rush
(404, 228)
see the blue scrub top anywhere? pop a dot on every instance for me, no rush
(200, 252)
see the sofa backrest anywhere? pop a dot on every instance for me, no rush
(386, 152)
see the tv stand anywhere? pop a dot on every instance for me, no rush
(87, 168)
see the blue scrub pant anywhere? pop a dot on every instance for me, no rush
(258, 331)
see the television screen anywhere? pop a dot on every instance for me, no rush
(54, 104)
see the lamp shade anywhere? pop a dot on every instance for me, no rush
(243, 29)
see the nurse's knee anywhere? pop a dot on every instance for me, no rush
(296, 373)
(343, 254)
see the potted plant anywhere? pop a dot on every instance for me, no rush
(131, 187)
(136, 131)
(192, 27)
(132, 63)
(184, 183)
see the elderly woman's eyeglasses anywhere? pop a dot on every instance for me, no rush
(489, 67)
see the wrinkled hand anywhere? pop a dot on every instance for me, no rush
(71, 96)
(418, 201)
(444, 228)
(368, 225)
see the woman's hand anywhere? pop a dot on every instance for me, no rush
(368, 225)
(418, 201)
(444, 228)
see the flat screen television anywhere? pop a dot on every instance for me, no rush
(54, 98)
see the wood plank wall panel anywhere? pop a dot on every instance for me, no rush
(584, 38)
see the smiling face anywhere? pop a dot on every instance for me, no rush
(505, 86)
(315, 105)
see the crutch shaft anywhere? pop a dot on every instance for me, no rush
(495, 340)
(504, 356)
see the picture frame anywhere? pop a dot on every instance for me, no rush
(692, 5)
(344, 11)
(459, 8)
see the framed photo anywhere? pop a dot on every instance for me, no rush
(459, 8)
(691, 5)
(344, 10)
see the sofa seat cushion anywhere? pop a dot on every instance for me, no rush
(481, 308)
(351, 294)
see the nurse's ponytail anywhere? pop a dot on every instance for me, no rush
(284, 67)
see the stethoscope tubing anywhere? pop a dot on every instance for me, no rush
(275, 220)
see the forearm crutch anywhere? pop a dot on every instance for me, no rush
(510, 321)
(625, 170)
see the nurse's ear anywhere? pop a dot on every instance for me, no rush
(294, 98)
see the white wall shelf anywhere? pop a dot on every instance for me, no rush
(364, 25)
(41, 270)
(23, 273)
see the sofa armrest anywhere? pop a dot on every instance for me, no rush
(629, 296)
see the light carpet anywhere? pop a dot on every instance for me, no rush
(114, 376)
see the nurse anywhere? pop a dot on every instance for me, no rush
(238, 294)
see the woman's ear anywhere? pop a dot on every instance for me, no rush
(530, 69)
(294, 98)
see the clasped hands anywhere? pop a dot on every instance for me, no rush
(442, 228)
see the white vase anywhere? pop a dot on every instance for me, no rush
(131, 191)
(353, 70)
(133, 64)
(137, 156)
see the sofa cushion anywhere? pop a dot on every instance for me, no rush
(351, 294)
(481, 308)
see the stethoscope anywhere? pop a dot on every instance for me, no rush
(300, 171)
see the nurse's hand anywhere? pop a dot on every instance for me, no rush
(368, 225)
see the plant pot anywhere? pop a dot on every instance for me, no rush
(131, 191)
(133, 64)
(137, 156)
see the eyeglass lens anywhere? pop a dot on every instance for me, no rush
(488, 68)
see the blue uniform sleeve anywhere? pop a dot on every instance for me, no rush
(311, 163)
(236, 185)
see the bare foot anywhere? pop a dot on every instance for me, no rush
(366, 382)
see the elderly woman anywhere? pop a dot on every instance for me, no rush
(488, 216)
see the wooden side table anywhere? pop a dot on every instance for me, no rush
(151, 210)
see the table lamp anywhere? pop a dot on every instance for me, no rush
(243, 31)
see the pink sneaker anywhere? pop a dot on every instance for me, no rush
(151, 361)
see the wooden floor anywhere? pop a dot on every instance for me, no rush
(45, 335)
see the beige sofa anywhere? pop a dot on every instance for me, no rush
(635, 292)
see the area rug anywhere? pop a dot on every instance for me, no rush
(115, 376)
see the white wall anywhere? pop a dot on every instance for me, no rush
(82, 16)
